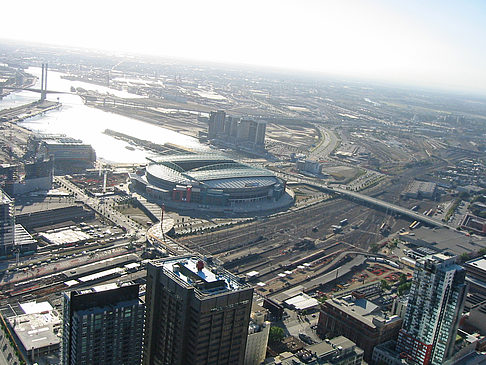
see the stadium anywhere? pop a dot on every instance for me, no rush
(210, 182)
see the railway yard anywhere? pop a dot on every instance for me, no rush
(326, 141)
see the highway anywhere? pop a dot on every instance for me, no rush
(327, 144)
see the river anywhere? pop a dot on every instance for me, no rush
(77, 120)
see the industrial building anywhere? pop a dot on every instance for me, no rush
(474, 224)
(44, 214)
(70, 154)
(421, 190)
(103, 325)
(434, 307)
(197, 313)
(206, 181)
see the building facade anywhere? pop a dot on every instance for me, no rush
(256, 345)
(435, 304)
(7, 224)
(197, 313)
(103, 325)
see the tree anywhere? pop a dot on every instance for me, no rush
(465, 256)
(403, 288)
(403, 278)
(385, 285)
(276, 334)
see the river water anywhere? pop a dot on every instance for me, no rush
(77, 120)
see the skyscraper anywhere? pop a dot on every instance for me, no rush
(197, 313)
(434, 308)
(103, 325)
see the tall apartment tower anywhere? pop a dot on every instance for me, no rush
(197, 313)
(260, 134)
(103, 325)
(216, 123)
(434, 307)
(7, 224)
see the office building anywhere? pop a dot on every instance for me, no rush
(197, 313)
(434, 307)
(103, 325)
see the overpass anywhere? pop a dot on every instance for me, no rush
(377, 203)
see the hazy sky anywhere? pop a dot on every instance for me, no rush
(438, 43)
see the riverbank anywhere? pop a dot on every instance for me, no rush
(22, 112)
(166, 148)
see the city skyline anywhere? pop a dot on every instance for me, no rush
(436, 45)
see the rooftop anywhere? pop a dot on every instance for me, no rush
(478, 263)
(448, 240)
(333, 347)
(193, 271)
(36, 329)
(4, 197)
(215, 171)
(362, 310)
(99, 297)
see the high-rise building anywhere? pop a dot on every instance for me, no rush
(260, 134)
(7, 224)
(216, 123)
(197, 313)
(237, 132)
(435, 304)
(103, 325)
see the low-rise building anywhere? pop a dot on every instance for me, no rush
(420, 190)
(337, 351)
(37, 330)
(474, 224)
(476, 275)
(399, 306)
(257, 341)
(360, 320)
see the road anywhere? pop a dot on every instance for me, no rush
(328, 144)
(102, 207)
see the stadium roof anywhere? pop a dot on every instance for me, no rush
(214, 171)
